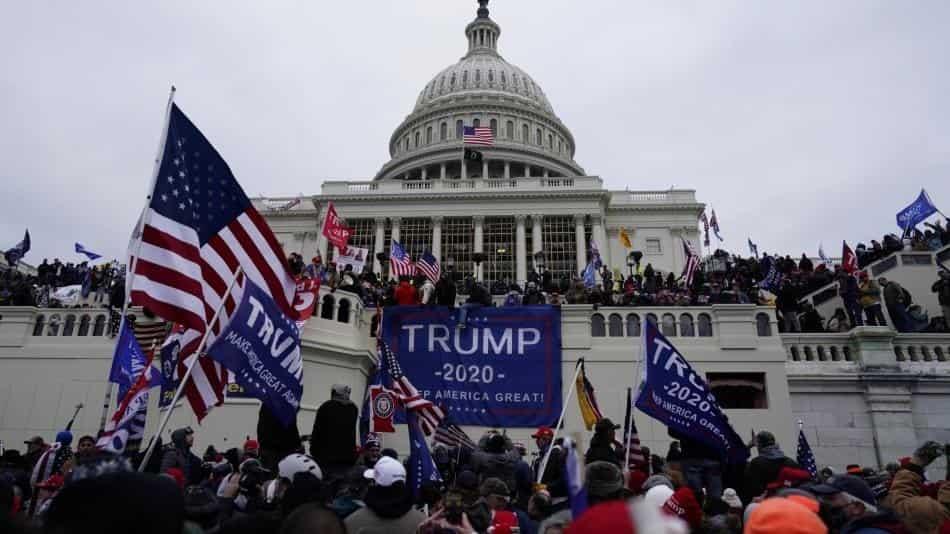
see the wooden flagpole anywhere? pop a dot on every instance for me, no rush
(560, 419)
(187, 375)
(137, 236)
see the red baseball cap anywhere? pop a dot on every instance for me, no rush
(543, 432)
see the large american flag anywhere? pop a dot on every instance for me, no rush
(429, 266)
(692, 263)
(430, 415)
(478, 136)
(199, 228)
(400, 264)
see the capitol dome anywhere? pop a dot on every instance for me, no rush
(482, 89)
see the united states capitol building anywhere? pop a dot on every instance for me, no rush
(867, 396)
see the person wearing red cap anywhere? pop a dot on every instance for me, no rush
(553, 477)
(252, 449)
(683, 504)
(788, 477)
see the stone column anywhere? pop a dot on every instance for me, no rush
(464, 174)
(484, 168)
(537, 243)
(479, 221)
(890, 403)
(601, 237)
(425, 173)
(527, 170)
(395, 236)
(521, 263)
(545, 172)
(437, 237)
(580, 242)
(442, 172)
(378, 244)
(507, 170)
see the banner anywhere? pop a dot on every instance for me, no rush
(261, 346)
(917, 212)
(382, 407)
(305, 299)
(672, 393)
(334, 230)
(502, 370)
(353, 256)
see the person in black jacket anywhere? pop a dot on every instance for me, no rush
(277, 441)
(445, 291)
(333, 439)
(701, 465)
(765, 467)
(603, 446)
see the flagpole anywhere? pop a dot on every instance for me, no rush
(139, 225)
(630, 425)
(547, 455)
(184, 379)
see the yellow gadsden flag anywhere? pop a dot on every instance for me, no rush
(590, 412)
(625, 238)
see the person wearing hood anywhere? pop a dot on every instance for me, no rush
(765, 467)
(333, 438)
(178, 455)
(496, 459)
(388, 503)
(445, 291)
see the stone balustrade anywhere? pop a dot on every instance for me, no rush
(871, 347)
(390, 187)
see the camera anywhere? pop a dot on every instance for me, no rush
(453, 507)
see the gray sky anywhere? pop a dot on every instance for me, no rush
(799, 121)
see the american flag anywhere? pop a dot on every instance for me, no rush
(429, 266)
(714, 223)
(148, 331)
(430, 415)
(705, 220)
(692, 263)
(478, 135)
(806, 458)
(400, 264)
(635, 457)
(199, 228)
(451, 435)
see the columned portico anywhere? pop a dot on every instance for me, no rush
(580, 243)
(521, 256)
(395, 237)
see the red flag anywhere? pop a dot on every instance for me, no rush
(337, 233)
(382, 406)
(849, 262)
(305, 298)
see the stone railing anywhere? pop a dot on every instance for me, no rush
(870, 347)
(391, 187)
(674, 196)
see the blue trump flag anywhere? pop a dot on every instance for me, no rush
(128, 361)
(261, 346)
(773, 278)
(421, 467)
(88, 253)
(13, 254)
(503, 369)
(917, 212)
(672, 393)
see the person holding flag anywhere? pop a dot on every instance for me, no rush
(16, 252)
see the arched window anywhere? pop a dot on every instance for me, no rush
(651, 318)
(326, 309)
(560, 146)
(550, 142)
(343, 315)
(99, 327)
(524, 133)
(686, 325)
(615, 325)
(478, 76)
(83, 326)
(597, 327)
(504, 79)
(69, 325)
(443, 131)
(429, 135)
(417, 139)
(465, 79)
(704, 328)
(491, 77)
(476, 123)
(763, 325)
(494, 127)
(669, 325)
(452, 81)
(537, 137)
(510, 130)
(38, 325)
(407, 144)
(458, 129)
(633, 325)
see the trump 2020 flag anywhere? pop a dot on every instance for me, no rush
(421, 468)
(917, 212)
(128, 360)
(125, 428)
(672, 393)
(88, 253)
(261, 346)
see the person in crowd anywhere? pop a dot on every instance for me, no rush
(942, 288)
(533, 296)
(603, 482)
(388, 503)
(178, 455)
(445, 290)
(333, 438)
(513, 297)
(787, 303)
(700, 464)
(496, 459)
(765, 467)
(852, 507)
(920, 513)
(839, 322)
(897, 300)
(35, 447)
(426, 291)
(811, 321)
(553, 477)
(848, 291)
(603, 444)
(85, 450)
(276, 439)
(406, 295)
(870, 300)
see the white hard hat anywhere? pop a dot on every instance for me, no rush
(298, 463)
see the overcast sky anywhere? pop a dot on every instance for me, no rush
(799, 121)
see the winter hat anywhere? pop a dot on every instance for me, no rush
(494, 486)
(252, 445)
(657, 480)
(65, 437)
(386, 472)
(657, 495)
(610, 516)
(603, 479)
(684, 505)
(730, 497)
(764, 439)
(778, 515)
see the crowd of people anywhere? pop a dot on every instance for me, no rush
(271, 484)
(98, 285)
